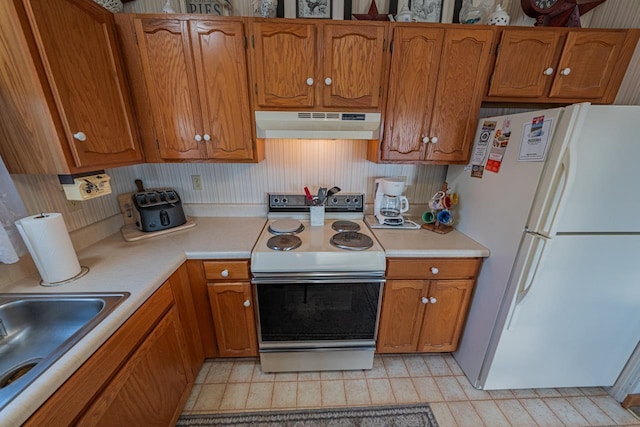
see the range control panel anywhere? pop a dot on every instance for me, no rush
(299, 203)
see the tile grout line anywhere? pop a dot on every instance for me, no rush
(565, 395)
(529, 412)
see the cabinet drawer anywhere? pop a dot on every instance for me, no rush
(226, 270)
(432, 268)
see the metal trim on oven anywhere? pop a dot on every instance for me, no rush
(318, 349)
(316, 345)
(288, 278)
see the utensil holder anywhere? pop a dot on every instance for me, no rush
(317, 215)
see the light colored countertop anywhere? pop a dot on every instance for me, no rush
(140, 268)
(424, 243)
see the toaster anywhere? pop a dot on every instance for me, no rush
(157, 209)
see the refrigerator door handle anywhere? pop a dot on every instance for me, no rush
(562, 182)
(553, 191)
(535, 257)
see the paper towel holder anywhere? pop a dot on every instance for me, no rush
(47, 239)
(83, 272)
(85, 186)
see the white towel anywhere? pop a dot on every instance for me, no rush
(11, 210)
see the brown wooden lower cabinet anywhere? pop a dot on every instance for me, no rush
(151, 387)
(232, 310)
(425, 304)
(142, 374)
(224, 307)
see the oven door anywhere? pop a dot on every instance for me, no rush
(317, 313)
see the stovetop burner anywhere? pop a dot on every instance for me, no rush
(351, 240)
(284, 242)
(286, 226)
(341, 226)
(320, 253)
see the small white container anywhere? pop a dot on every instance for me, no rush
(317, 215)
(500, 17)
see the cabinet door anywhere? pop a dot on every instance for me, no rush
(181, 289)
(445, 314)
(401, 316)
(78, 48)
(233, 318)
(523, 57)
(412, 83)
(152, 386)
(588, 59)
(462, 80)
(285, 64)
(353, 65)
(167, 61)
(221, 70)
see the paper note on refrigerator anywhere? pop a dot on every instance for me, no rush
(482, 143)
(535, 140)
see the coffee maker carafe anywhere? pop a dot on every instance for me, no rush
(389, 202)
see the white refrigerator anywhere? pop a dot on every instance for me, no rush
(555, 195)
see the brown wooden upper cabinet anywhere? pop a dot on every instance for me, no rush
(435, 89)
(560, 65)
(195, 72)
(324, 66)
(65, 101)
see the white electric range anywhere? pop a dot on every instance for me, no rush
(318, 288)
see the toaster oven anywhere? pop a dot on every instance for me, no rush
(158, 209)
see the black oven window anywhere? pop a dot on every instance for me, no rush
(318, 312)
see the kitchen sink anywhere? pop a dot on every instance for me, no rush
(37, 329)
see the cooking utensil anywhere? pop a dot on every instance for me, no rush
(331, 192)
(308, 193)
(322, 194)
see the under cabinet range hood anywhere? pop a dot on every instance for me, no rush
(317, 125)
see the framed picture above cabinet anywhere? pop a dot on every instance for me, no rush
(210, 7)
(318, 9)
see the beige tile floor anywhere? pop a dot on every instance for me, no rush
(234, 385)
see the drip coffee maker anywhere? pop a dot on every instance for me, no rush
(389, 203)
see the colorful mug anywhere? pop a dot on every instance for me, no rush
(444, 217)
(429, 217)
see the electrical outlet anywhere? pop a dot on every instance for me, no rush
(196, 181)
(74, 205)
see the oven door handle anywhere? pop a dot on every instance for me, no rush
(308, 280)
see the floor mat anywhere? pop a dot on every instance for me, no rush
(388, 416)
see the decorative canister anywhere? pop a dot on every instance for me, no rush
(168, 8)
(405, 15)
(498, 17)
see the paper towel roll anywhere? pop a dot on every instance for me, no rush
(50, 246)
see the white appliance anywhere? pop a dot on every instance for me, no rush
(389, 203)
(318, 289)
(317, 125)
(557, 303)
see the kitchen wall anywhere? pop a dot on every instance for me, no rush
(289, 165)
